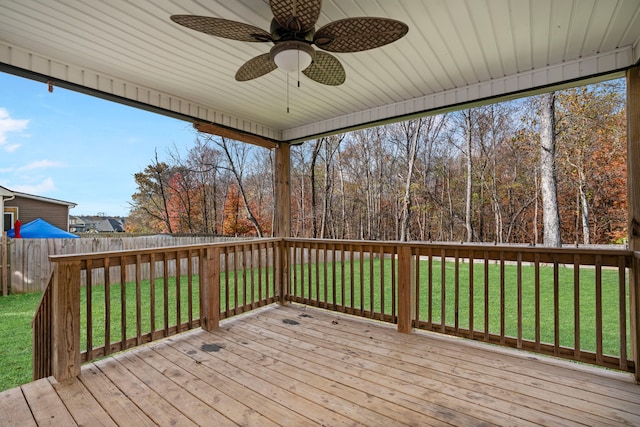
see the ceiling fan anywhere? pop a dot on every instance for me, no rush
(293, 33)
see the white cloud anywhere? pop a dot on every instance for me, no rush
(7, 124)
(40, 164)
(40, 188)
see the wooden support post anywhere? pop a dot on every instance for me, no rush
(66, 320)
(282, 218)
(211, 290)
(406, 289)
(633, 195)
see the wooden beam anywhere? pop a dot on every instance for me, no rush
(235, 134)
(633, 195)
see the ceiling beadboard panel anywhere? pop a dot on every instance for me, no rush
(456, 52)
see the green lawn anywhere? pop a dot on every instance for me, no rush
(16, 311)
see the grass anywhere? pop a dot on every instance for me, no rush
(16, 311)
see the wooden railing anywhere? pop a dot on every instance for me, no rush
(188, 287)
(42, 326)
(572, 303)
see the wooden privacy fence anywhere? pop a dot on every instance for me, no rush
(30, 268)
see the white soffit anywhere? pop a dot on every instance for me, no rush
(457, 52)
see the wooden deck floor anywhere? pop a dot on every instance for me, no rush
(295, 366)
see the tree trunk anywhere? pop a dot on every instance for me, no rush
(411, 133)
(469, 195)
(548, 176)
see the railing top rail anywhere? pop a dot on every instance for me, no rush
(476, 247)
(159, 250)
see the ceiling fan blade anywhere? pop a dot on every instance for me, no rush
(256, 67)
(326, 69)
(296, 15)
(223, 28)
(358, 34)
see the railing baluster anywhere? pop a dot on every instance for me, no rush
(382, 282)
(244, 277)
(598, 309)
(417, 280)
(165, 288)
(226, 282)
(178, 291)
(502, 300)
(519, 296)
(325, 283)
(138, 266)
(471, 295)
(352, 278)
(456, 291)
(294, 264)
(362, 280)
(333, 277)
(443, 291)
(152, 293)
(430, 290)
(342, 279)
(252, 253)
(622, 312)
(486, 295)
(190, 288)
(88, 290)
(556, 305)
(394, 286)
(123, 305)
(576, 306)
(261, 248)
(537, 299)
(371, 284)
(235, 281)
(107, 307)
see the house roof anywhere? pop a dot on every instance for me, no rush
(5, 192)
(456, 53)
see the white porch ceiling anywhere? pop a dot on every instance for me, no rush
(456, 52)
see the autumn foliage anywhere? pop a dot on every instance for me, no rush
(385, 182)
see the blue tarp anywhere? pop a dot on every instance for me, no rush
(41, 229)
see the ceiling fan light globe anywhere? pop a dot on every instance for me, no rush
(292, 59)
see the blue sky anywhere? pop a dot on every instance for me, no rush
(78, 148)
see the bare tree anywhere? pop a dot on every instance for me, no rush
(236, 154)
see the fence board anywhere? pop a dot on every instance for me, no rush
(30, 268)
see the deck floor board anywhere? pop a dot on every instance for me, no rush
(298, 366)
